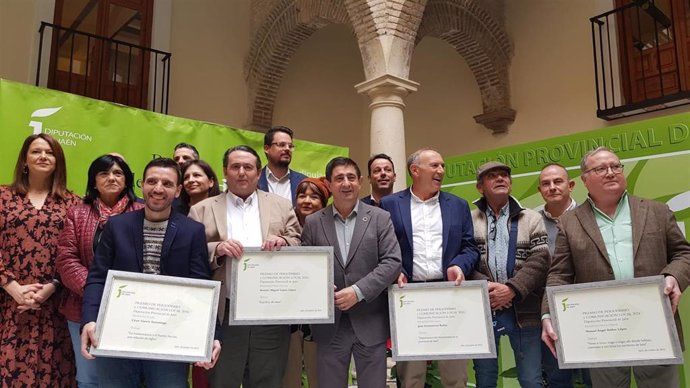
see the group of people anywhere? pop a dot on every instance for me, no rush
(56, 250)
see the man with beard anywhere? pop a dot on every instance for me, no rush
(154, 240)
(381, 178)
(277, 177)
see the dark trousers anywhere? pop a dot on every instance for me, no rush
(334, 360)
(263, 350)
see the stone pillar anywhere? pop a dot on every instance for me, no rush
(387, 133)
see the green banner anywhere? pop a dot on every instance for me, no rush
(88, 128)
(656, 156)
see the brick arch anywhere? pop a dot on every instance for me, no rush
(282, 32)
(482, 42)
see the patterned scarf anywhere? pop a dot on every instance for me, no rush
(105, 211)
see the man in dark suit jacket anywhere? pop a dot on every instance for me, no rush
(446, 252)
(367, 261)
(152, 240)
(381, 177)
(647, 242)
(277, 177)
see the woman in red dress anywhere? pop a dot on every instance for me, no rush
(35, 349)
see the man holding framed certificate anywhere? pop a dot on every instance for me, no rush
(616, 236)
(246, 217)
(434, 230)
(156, 241)
(367, 261)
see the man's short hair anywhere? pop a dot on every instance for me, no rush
(268, 137)
(379, 156)
(414, 157)
(340, 161)
(583, 167)
(165, 163)
(554, 164)
(187, 145)
(244, 148)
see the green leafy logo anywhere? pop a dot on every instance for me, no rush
(244, 264)
(401, 299)
(564, 304)
(119, 290)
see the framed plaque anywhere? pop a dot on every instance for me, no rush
(614, 323)
(156, 317)
(289, 286)
(441, 321)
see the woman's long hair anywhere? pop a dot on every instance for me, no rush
(58, 184)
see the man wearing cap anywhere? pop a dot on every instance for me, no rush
(381, 178)
(616, 236)
(514, 260)
(434, 230)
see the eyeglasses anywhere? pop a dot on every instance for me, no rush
(492, 228)
(283, 144)
(602, 170)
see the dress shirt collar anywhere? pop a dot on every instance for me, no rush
(239, 202)
(270, 175)
(353, 214)
(431, 200)
(572, 206)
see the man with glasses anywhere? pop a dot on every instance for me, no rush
(616, 236)
(277, 177)
(514, 259)
(434, 230)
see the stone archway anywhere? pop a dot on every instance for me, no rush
(480, 39)
(284, 28)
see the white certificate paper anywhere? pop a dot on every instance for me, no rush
(437, 321)
(157, 317)
(290, 286)
(614, 323)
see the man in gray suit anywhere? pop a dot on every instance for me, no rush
(367, 261)
(614, 235)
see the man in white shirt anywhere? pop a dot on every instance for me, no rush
(434, 230)
(277, 177)
(246, 217)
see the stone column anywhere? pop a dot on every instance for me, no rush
(387, 133)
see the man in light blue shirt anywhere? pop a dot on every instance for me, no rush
(616, 236)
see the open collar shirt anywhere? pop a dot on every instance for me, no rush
(427, 238)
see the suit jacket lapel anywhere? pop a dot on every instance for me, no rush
(170, 232)
(406, 215)
(361, 224)
(328, 225)
(264, 213)
(220, 214)
(446, 218)
(638, 215)
(138, 237)
(591, 228)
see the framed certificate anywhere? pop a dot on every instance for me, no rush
(156, 317)
(441, 321)
(614, 323)
(289, 286)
